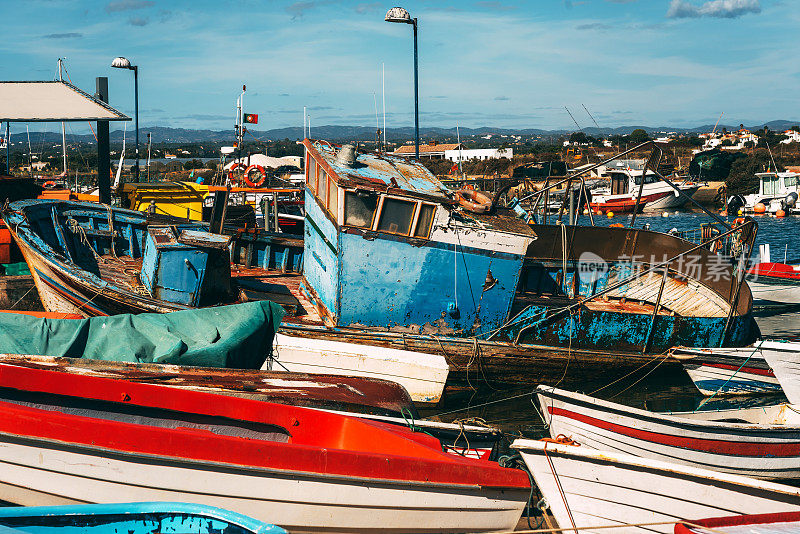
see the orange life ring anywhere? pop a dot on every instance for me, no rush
(247, 176)
(474, 201)
(738, 221)
(231, 178)
(50, 184)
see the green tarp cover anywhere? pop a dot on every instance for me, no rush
(236, 336)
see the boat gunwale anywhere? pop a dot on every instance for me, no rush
(636, 463)
(672, 419)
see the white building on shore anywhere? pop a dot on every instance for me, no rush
(478, 154)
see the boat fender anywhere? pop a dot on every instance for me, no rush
(259, 182)
(474, 201)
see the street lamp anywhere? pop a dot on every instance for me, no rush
(124, 63)
(399, 14)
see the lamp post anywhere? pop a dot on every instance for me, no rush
(123, 63)
(401, 15)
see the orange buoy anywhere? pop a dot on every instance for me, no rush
(474, 201)
(759, 208)
(780, 213)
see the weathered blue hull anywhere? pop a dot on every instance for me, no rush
(595, 329)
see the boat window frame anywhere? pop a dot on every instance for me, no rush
(320, 189)
(311, 164)
(334, 211)
(418, 212)
(343, 209)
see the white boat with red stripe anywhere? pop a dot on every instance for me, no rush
(759, 442)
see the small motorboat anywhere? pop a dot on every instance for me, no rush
(774, 285)
(67, 438)
(620, 195)
(132, 518)
(731, 370)
(587, 488)
(759, 442)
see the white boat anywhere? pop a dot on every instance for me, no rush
(620, 195)
(774, 285)
(728, 371)
(758, 442)
(587, 488)
(423, 375)
(773, 190)
(784, 358)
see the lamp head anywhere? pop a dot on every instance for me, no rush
(121, 63)
(399, 14)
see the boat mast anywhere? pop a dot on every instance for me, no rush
(63, 129)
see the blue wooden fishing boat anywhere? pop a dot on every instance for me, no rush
(132, 518)
(391, 257)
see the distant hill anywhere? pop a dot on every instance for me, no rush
(162, 134)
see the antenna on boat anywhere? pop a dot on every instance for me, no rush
(63, 127)
(30, 157)
(305, 117)
(573, 119)
(590, 116)
(717, 124)
(458, 140)
(383, 97)
(377, 122)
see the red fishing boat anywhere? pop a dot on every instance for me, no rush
(67, 438)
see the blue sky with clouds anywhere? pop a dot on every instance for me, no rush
(482, 63)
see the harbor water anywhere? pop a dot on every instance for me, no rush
(655, 387)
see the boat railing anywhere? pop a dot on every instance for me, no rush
(652, 164)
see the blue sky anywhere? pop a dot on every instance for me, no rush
(482, 63)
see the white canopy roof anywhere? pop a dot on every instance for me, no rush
(52, 101)
(267, 161)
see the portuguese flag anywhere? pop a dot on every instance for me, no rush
(251, 118)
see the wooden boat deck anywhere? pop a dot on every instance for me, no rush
(122, 271)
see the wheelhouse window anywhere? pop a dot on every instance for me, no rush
(396, 216)
(359, 209)
(790, 181)
(311, 179)
(322, 187)
(425, 220)
(333, 199)
(770, 185)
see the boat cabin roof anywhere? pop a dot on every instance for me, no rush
(378, 171)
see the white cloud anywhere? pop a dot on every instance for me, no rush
(729, 9)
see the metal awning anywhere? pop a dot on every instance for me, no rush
(52, 102)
